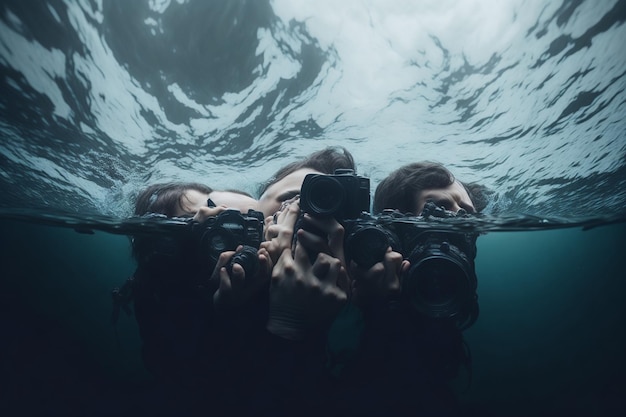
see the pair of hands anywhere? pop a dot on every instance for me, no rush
(308, 292)
(234, 288)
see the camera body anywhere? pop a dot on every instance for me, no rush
(343, 195)
(441, 281)
(225, 232)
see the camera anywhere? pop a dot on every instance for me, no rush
(343, 195)
(368, 237)
(441, 281)
(247, 258)
(225, 232)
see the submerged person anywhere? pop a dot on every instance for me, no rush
(286, 182)
(311, 291)
(178, 298)
(284, 186)
(415, 353)
(409, 187)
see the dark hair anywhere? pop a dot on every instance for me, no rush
(166, 198)
(399, 190)
(325, 161)
(167, 272)
(162, 198)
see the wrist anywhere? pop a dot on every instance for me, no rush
(287, 326)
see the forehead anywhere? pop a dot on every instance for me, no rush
(191, 201)
(455, 190)
(292, 181)
(234, 200)
(194, 197)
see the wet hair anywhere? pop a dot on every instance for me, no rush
(166, 198)
(165, 284)
(325, 161)
(399, 190)
(162, 198)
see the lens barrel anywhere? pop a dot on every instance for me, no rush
(248, 259)
(439, 281)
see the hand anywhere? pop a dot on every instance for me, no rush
(327, 238)
(235, 289)
(378, 284)
(204, 213)
(304, 296)
(279, 230)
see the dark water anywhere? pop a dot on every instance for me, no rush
(98, 99)
(550, 339)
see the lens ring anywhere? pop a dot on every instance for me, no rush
(324, 195)
(436, 285)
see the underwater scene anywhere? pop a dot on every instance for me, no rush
(525, 98)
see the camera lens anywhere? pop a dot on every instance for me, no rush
(437, 285)
(216, 241)
(367, 246)
(248, 260)
(325, 195)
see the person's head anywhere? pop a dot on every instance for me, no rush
(176, 199)
(172, 199)
(286, 182)
(184, 199)
(234, 199)
(408, 188)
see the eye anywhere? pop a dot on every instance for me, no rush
(288, 195)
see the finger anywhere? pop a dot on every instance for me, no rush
(289, 216)
(343, 280)
(222, 260)
(336, 242)
(333, 232)
(301, 256)
(272, 231)
(313, 242)
(405, 267)
(204, 213)
(225, 284)
(393, 261)
(265, 266)
(393, 265)
(285, 266)
(237, 276)
(326, 268)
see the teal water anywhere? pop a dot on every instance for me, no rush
(527, 97)
(550, 338)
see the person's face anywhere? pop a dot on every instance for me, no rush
(453, 198)
(191, 202)
(232, 200)
(283, 190)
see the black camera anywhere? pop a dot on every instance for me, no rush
(368, 237)
(248, 259)
(343, 195)
(441, 281)
(225, 232)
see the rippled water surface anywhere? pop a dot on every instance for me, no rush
(100, 98)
